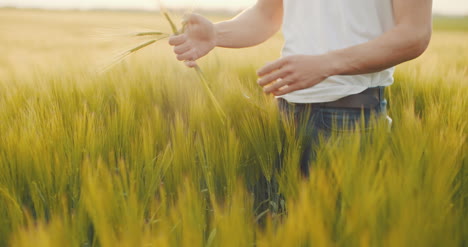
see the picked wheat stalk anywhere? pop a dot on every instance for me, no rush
(157, 36)
(197, 68)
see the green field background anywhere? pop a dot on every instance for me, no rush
(138, 156)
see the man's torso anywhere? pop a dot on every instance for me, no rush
(314, 27)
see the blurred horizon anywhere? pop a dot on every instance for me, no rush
(441, 7)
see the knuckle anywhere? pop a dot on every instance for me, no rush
(289, 69)
(269, 78)
(193, 18)
(294, 76)
(281, 92)
(194, 54)
(265, 82)
(283, 81)
(180, 50)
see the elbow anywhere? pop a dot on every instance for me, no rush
(276, 27)
(418, 43)
(273, 24)
(271, 16)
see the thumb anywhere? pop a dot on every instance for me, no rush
(192, 19)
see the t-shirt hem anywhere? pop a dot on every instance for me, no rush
(314, 99)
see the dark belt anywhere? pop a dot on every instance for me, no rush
(368, 99)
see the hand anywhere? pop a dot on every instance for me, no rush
(198, 40)
(294, 73)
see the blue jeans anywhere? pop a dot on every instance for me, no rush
(313, 121)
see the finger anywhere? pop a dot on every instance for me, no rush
(177, 39)
(267, 69)
(289, 89)
(193, 19)
(272, 77)
(190, 64)
(188, 56)
(183, 48)
(185, 19)
(278, 85)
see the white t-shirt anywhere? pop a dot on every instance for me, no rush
(313, 27)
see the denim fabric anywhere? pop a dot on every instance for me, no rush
(314, 120)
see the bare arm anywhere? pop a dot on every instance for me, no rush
(407, 40)
(251, 27)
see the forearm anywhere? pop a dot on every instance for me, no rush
(406, 41)
(398, 45)
(250, 28)
(304, 71)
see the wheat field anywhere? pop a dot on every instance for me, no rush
(137, 156)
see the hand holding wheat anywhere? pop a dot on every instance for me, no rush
(197, 40)
(202, 41)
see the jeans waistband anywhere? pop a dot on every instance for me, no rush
(370, 98)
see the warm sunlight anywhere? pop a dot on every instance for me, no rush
(456, 7)
(211, 123)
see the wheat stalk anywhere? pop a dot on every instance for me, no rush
(197, 68)
(117, 59)
(153, 33)
(161, 36)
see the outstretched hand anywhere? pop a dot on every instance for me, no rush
(293, 73)
(198, 39)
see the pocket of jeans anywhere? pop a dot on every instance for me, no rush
(345, 120)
